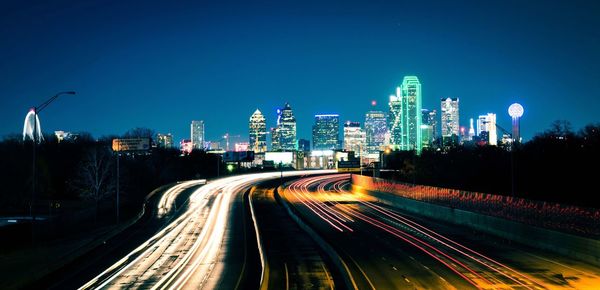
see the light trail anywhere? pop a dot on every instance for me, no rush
(459, 258)
(482, 259)
(167, 200)
(332, 217)
(185, 252)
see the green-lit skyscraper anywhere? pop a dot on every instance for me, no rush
(405, 116)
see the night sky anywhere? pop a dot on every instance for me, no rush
(160, 64)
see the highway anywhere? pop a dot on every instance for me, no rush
(293, 259)
(195, 249)
(388, 249)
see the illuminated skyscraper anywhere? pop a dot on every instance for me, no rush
(354, 138)
(257, 132)
(433, 122)
(426, 135)
(411, 98)
(428, 127)
(450, 125)
(164, 140)
(375, 129)
(326, 132)
(405, 115)
(471, 130)
(284, 135)
(493, 132)
(303, 145)
(486, 128)
(197, 134)
(395, 120)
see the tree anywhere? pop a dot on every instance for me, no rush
(139, 132)
(561, 129)
(591, 136)
(95, 179)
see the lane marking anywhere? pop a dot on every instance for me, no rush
(244, 225)
(329, 280)
(287, 277)
(362, 272)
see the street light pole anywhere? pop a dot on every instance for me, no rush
(118, 180)
(36, 111)
(360, 157)
(34, 144)
(281, 169)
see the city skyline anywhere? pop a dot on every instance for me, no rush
(164, 66)
(342, 144)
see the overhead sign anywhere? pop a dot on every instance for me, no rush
(349, 164)
(242, 156)
(131, 144)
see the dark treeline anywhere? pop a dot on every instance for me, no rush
(82, 172)
(556, 165)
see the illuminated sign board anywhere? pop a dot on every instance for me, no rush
(131, 144)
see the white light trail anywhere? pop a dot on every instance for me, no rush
(194, 239)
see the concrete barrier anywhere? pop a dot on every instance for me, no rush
(582, 248)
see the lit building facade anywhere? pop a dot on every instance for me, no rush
(450, 118)
(303, 145)
(257, 132)
(214, 145)
(354, 138)
(428, 127)
(395, 120)
(64, 136)
(375, 130)
(326, 132)
(486, 129)
(405, 116)
(164, 140)
(241, 147)
(197, 134)
(284, 135)
(471, 130)
(426, 135)
(433, 122)
(185, 146)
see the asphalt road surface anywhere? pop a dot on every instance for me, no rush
(161, 208)
(388, 249)
(200, 248)
(293, 259)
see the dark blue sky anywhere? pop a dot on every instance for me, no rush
(158, 64)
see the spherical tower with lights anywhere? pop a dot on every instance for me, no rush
(516, 111)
